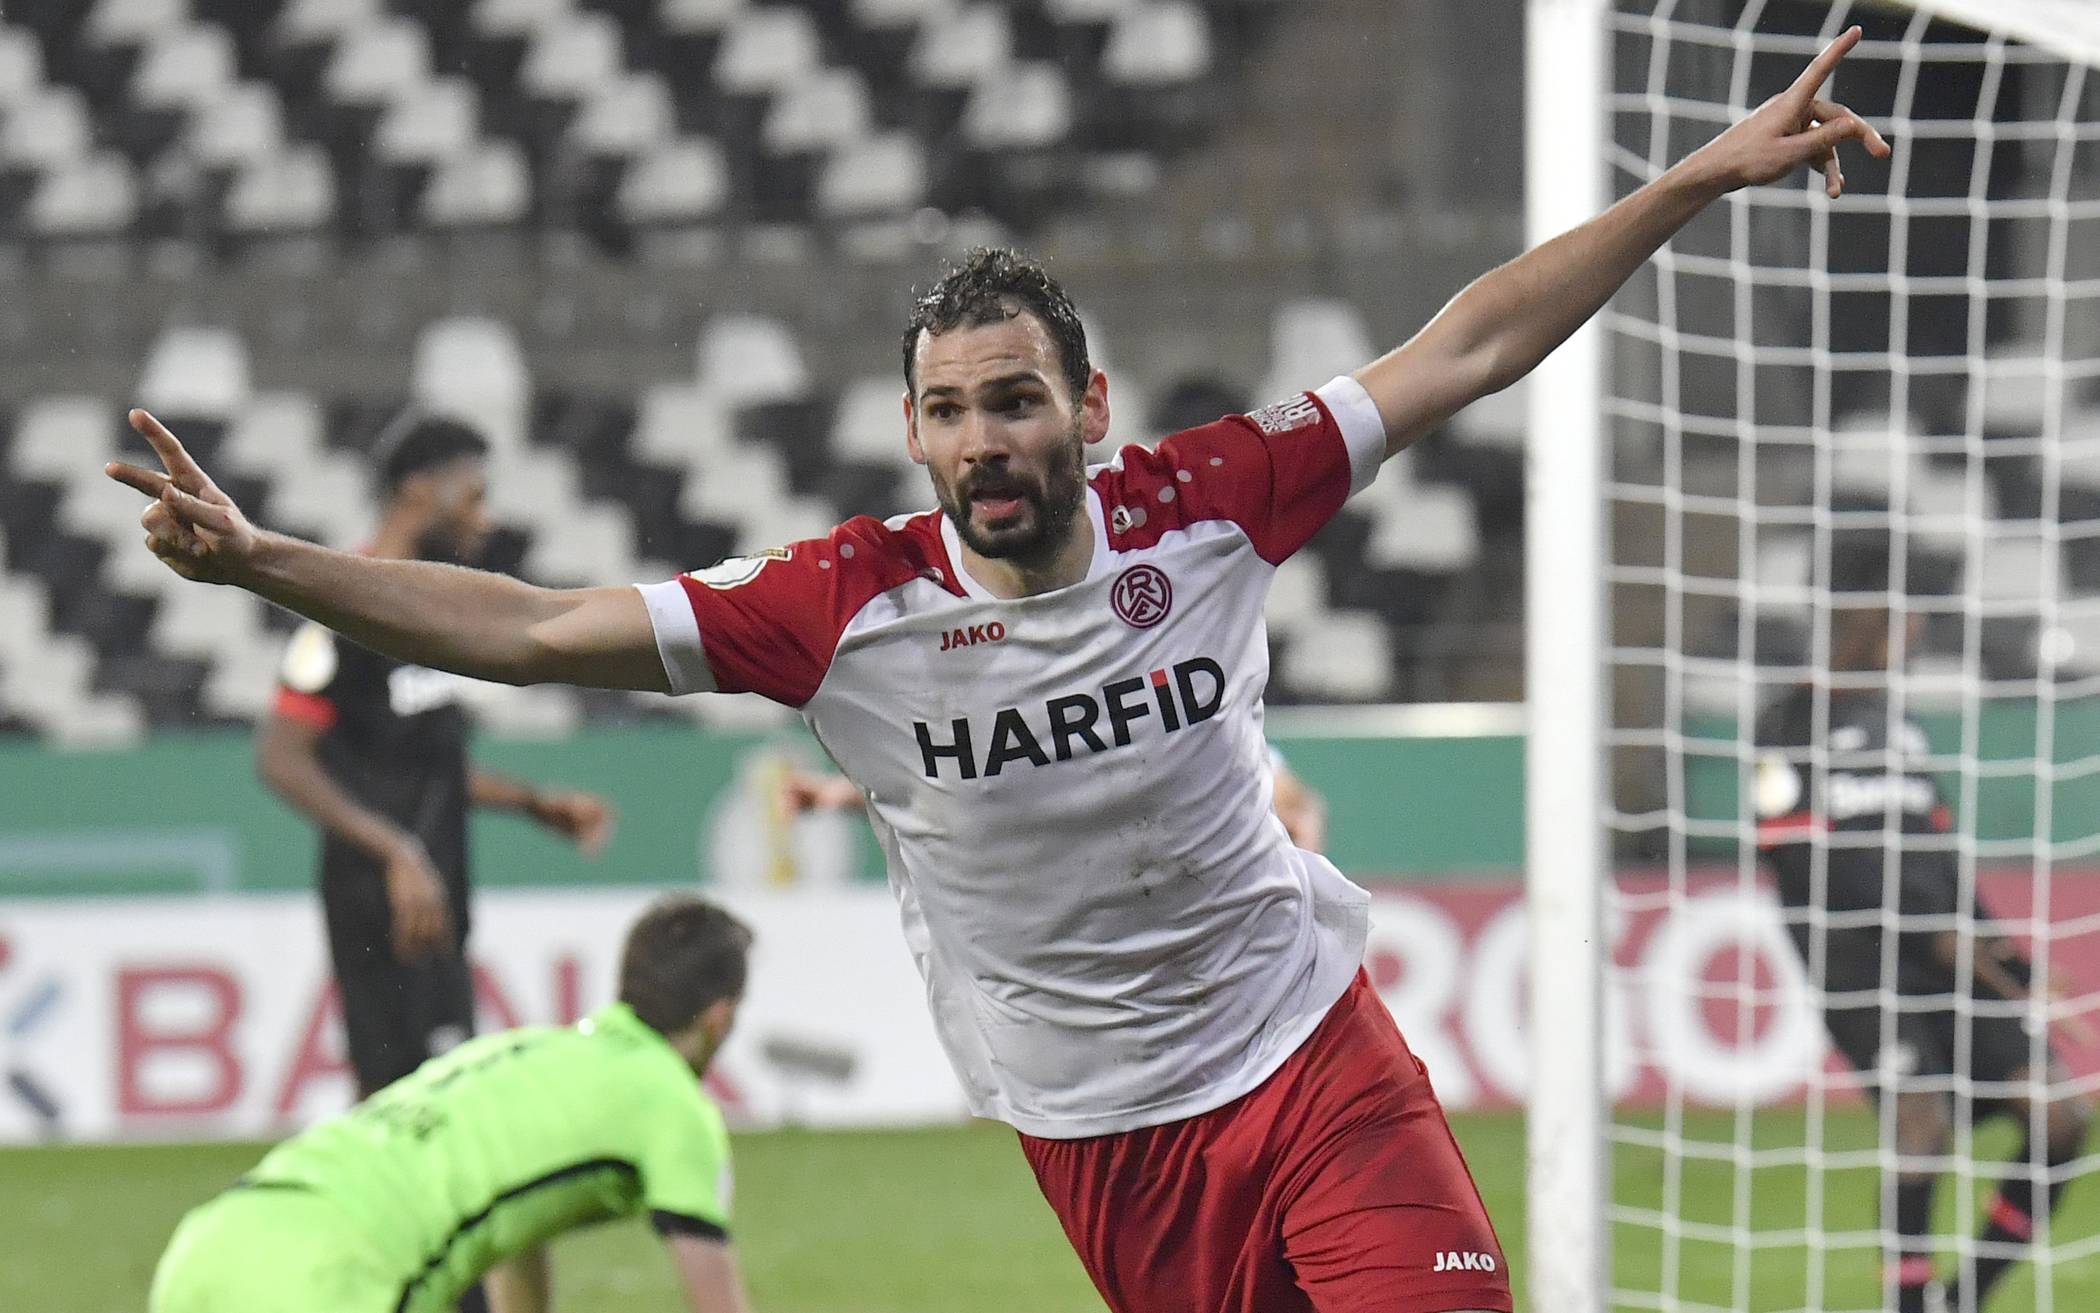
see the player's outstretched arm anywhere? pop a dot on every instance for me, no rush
(470, 622)
(708, 1271)
(1505, 323)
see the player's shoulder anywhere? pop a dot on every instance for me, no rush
(1192, 477)
(855, 561)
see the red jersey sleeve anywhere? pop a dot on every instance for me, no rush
(1280, 473)
(769, 623)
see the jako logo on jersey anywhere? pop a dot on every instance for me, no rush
(1142, 596)
(1187, 694)
(971, 637)
(1455, 1260)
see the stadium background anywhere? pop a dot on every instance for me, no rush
(660, 252)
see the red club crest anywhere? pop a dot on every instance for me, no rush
(1142, 596)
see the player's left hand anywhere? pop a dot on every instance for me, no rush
(585, 817)
(1793, 129)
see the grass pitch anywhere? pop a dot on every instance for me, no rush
(948, 1221)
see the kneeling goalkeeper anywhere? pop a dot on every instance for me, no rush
(468, 1165)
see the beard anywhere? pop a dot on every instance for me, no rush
(1049, 505)
(447, 547)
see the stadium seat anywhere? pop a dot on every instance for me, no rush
(1497, 420)
(243, 126)
(965, 49)
(1883, 457)
(55, 435)
(435, 121)
(21, 67)
(381, 63)
(2012, 570)
(1089, 11)
(828, 109)
(678, 182)
(95, 195)
(1782, 577)
(52, 688)
(50, 130)
(1029, 106)
(241, 684)
(749, 359)
(1312, 341)
(869, 422)
(292, 192)
(626, 117)
(572, 58)
(328, 497)
(1159, 43)
(196, 371)
(1421, 527)
(1348, 658)
(2075, 457)
(475, 369)
(2015, 389)
(132, 22)
(188, 69)
(480, 186)
(698, 15)
(901, 13)
(883, 175)
(767, 50)
(319, 20)
(518, 17)
(273, 433)
(1297, 595)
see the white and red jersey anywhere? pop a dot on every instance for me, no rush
(1072, 789)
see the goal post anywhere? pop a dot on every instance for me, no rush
(1566, 73)
(1917, 363)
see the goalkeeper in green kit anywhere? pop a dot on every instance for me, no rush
(459, 1172)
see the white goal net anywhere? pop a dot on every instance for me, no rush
(1878, 416)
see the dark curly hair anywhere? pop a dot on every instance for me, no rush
(416, 443)
(992, 284)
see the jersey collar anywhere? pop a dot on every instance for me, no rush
(620, 1017)
(1095, 567)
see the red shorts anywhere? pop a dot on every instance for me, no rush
(1333, 1186)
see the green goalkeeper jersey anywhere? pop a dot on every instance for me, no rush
(513, 1138)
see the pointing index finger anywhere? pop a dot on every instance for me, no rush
(1818, 72)
(169, 448)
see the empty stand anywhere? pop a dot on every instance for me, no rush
(363, 118)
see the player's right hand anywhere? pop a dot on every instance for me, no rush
(193, 527)
(1795, 128)
(416, 897)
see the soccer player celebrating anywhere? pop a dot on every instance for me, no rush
(401, 1204)
(1049, 693)
(373, 751)
(1857, 837)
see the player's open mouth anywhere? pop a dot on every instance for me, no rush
(997, 508)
